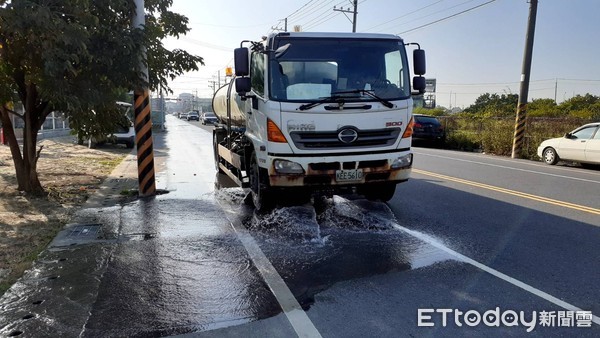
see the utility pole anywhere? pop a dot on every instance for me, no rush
(279, 29)
(143, 118)
(521, 118)
(354, 12)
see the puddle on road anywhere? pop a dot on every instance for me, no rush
(315, 247)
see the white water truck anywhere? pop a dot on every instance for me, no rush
(318, 113)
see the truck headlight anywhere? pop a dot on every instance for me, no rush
(402, 162)
(287, 167)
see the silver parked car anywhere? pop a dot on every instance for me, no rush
(581, 145)
(209, 118)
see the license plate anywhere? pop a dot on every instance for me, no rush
(349, 175)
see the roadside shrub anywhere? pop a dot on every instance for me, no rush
(463, 140)
(497, 136)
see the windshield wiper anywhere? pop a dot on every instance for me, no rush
(330, 99)
(367, 92)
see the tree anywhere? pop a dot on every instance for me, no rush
(438, 111)
(494, 105)
(544, 108)
(77, 57)
(586, 106)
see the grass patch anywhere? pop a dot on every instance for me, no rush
(129, 192)
(112, 163)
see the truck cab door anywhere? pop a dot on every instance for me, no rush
(256, 120)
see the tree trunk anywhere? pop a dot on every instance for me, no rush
(11, 138)
(30, 182)
(26, 162)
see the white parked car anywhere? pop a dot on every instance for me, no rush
(123, 133)
(581, 145)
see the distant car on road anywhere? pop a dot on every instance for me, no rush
(183, 116)
(428, 128)
(209, 118)
(193, 116)
(582, 145)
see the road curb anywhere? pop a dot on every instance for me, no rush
(122, 178)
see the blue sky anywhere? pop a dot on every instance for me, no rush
(470, 54)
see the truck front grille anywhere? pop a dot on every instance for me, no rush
(329, 139)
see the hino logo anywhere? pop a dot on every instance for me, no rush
(348, 135)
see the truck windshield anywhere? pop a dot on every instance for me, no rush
(312, 69)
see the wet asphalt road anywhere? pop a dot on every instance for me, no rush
(198, 262)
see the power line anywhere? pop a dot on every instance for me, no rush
(327, 13)
(405, 15)
(206, 44)
(323, 9)
(434, 13)
(447, 17)
(310, 11)
(490, 83)
(579, 80)
(299, 9)
(329, 17)
(229, 26)
(514, 82)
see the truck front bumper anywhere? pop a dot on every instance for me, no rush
(339, 170)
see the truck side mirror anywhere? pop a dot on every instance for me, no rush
(419, 62)
(242, 85)
(241, 62)
(419, 84)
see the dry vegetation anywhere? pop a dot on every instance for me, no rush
(69, 173)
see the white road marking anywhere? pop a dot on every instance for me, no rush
(300, 321)
(460, 257)
(511, 168)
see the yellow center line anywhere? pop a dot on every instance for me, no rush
(512, 192)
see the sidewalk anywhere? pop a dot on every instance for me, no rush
(121, 185)
(157, 266)
(67, 274)
(69, 173)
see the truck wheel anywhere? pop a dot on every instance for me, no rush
(262, 197)
(381, 192)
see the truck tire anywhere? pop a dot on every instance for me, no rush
(262, 197)
(382, 192)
